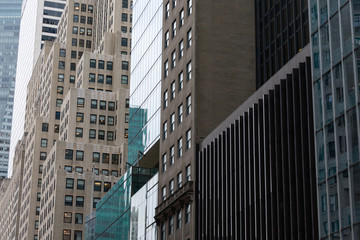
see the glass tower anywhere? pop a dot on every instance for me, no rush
(335, 40)
(10, 15)
(145, 87)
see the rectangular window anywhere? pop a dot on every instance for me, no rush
(188, 173)
(68, 200)
(73, 43)
(167, 37)
(72, 79)
(125, 65)
(67, 217)
(45, 127)
(100, 78)
(167, 10)
(163, 234)
(189, 7)
(89, 20)
(102, 120)
(173, 59)
(124, 17)
(124, 42)
(79, 201)
(110, 121)
(79, 155)
(66, 234)
(171, 187)
(172, 155)
(96, 157)
(68, 168)
(101, 64)
(43, 156)
(109, 65)
(90, 8)
(166, 69)
(89, 32)
(110, 136)
(73, 54)
(178, 220)
(80, 184)
(79, 132)
(179, 180)
(114, 173)
(105, 157)
(88, 44)
(40, 169)
(188, 71)
(108, 79)
(93, 118)
(101, 135)
(80, 102)
(124, 79)
(69, 183)
(173, 89)
(173, 3)
(115, 158)
(181, 49)
(189, 38)
(77, 235)
(172, 122)
(82, 19)
(164, 162)
(94, 104)
(187, 215)
(180, 147)
(105, 172)
(61, 65)
(188, 139)
(76, 7)
(111, 106)
(79, 218)
(76, 18)
(92, 63)
(180, 114)
(164, 130)
(83, 7)
(107, 186)
(39, 182)
(60, 90)
(181, 18)
(82, 31)
(171, 225)
(60, 77)
(123, 29)
(79, 169)
(95, 201)
(165, 101)
(97, 186)
(91, 77)
(164, 193)
(188, 105)
(102, 105)
(173, 32)
(44, 142)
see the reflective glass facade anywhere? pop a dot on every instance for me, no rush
(335, 39)
(10, 15)
(112, 217)
(143, 204)
(145, 99)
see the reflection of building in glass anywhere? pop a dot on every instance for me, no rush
(10, 14)
(113, 212)
(137, 134)
(145, 75)
(335, 66)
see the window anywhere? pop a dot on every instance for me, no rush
(44, 142)
(101, 64)
(124, 42)
(188, 104)
(80, 184)
(67, 217)
(83, 7)
(89, 32)
(58, 102)
(164, 162)
(80, 102)
(79, 201)
(167, 10)
(57, 115)
(73, 43)
(101, 135)
(172, 122)
(126, 133)
(127, 103)
(43, 156)
(110, 136)
(93, 118)
(163, 231)
(82, 19)
(124, 17)
(66, 234)
(164, 130)
(189, 7)
(127, 118)
(109, 65)
(188, 173)
(188, 139)
(189, 38)
(125, 65)
(100, 78)
(180, 114)
(88, 44)
(95, 201)
(97, 186)
(181, 18)
(93, 63)
(166, 69)
(38, 197)
(60, 90)
(105, 157)
(178, 220)
(107, 186)
(187, 215)
(61, 65)
(89, 20)
(79, 169)
(82, 31)
(180, 147)
(171, 225)
(164, 193)
(173, 3)
(114, 173)
(90, 8)
(69, 183)
(188, 71)
(76, 6)
(80, 54)
(96, 157)
(76, 18)
(56, 128)
(123, 29)
(40, 169)
(181, 49)
(173, 29)
(124, 79)
(68, 200)
(77, 235)
(68, 169)
(73, 54)
(81, 42)
(108, 79)
(79, 218)
(165, 99)
(79, 132)
(172, 155)
(102, 119)
(79, 155)
(103, 105)
(173, 59)
(173, 88)
(45, 127)
(72, 79)
(79, 117)
(111, 106)
(115, 158)
(171, 187)
(94, 104)
(167, 37)
(39, 182)
(60, 77)
(179, 180)
(110, 121)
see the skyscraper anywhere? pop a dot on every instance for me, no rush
(336, 87)
(10, 14)
(208, 70)
(39, 20)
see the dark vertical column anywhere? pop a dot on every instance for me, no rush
(212, 181)
(256, 171)
(241, 179)
(227, 183)
(217, 188)
(200, 198)
(237, 179)
(251, 173)
(246, 178)
(207, 192)
(223, 184)
(284, 159)
(232, 182)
